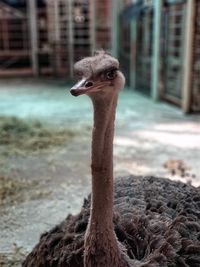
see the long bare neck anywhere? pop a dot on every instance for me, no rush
(101, 246)
(102, 161)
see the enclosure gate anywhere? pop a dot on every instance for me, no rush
(172, 50)
(195, 101)
(124, 51)
(70, 34)
(54, 35)
(144, 51)
(14, 41)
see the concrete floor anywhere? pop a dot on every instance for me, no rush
(147, 135)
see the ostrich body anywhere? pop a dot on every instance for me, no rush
(156, 222)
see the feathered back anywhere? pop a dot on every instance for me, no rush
(156, 220)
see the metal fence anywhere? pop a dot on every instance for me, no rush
(196, 61)
(144, 35)
(14, 40)
(173, 35)
(49, 38)
(160, 50)
(124, 48)
(157, 42)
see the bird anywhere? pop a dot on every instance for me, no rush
(132, 221)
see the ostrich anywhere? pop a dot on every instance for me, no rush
(134, 222)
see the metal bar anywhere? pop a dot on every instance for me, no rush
(5, 33)
(50, 20)
(57, 35)
(115, 28)
(24, 38)
(187, 69)
(16, 52)
(33, 35)
(57, 24)
(133, 54)
(92, 12)
(69, 7)
(156, 50)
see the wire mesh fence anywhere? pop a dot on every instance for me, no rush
(196, 61)
(53, 35)
(48, 38)
(173, 51)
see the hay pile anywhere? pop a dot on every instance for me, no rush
(11, 189)
(16, 190)
(18, 136)
(12, 258)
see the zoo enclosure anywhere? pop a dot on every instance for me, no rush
(157, 42)
(48, 37)
(160, 49)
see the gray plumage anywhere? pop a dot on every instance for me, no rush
(157, 220)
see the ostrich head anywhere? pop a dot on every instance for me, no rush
(99, 76)
(101, 80)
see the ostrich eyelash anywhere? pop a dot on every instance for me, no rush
(104, 72)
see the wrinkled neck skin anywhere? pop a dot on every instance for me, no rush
(101, 245)
(102, 161)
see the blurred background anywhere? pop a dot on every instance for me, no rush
(157, 43)
(45, 133)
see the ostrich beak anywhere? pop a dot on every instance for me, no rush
(85, 86)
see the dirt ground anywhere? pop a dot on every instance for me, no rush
(39, 189)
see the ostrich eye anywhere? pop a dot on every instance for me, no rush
(88, 84)
(111, 74)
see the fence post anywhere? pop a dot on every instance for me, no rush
(133, 27)
(71, 37)
(5, 33)
(115, 31)
(92, 12)
(33, 35)
(187, 61)
(156, 49)
(56, 36)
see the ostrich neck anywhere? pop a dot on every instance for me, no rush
(102, 161)
(101, 245)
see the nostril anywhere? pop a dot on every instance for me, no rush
(88, 84)
(74, 92)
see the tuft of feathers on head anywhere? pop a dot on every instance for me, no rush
(95, 65)
(100, 52)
